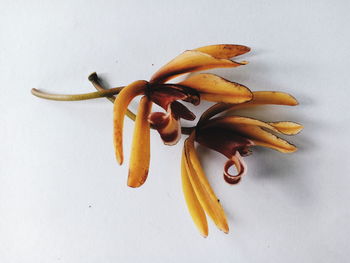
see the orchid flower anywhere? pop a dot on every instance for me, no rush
(232, 136)
(195, 88)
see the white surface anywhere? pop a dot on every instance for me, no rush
(63, 198)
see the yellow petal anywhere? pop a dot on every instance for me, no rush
(263, 138)
(215, 88)
(140, 151)
(191, 61)
(268, 97)
(194, 207)
(259, 98)
(229, 121)
(120, 106)
(201, 186)
(224, 51)
(287, 127)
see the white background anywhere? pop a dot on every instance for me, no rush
(63, 198)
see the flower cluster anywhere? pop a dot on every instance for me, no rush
(231, 135)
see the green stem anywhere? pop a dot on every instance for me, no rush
(86, 96)
(100, 93)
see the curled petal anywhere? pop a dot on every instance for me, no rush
(140, 151)
(214, 88)
(191, 61)
(194, 207)
(201, 186)
(241, 167)
(224, 50)
(167, 125)
(287, 127)
(120, 107)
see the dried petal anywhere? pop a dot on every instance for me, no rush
(140, 151)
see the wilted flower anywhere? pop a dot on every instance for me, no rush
(231, 136)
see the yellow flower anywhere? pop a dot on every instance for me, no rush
(232, 136)
(195, 88)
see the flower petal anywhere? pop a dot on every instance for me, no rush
(284, 127)
(167, 125)
(181, 111)
(120, 106)
(214, 88)
(194, 207)
(287, 127)
(191, 61)
(241, 167)
(228, 121)
(140, 151)
(259, 98)
(224, 50)
(268, 97)
(201, 186)
(263, 138)
(165, 94)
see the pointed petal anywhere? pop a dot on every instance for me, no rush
(228, 121)
(224, 50)
(287, 127)
(268, 97)
(259, 98)
(140, 151)
(201, 186)
(214, 88)
(263, 138)
(191, 61)
(194, 207)
(120, 107)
